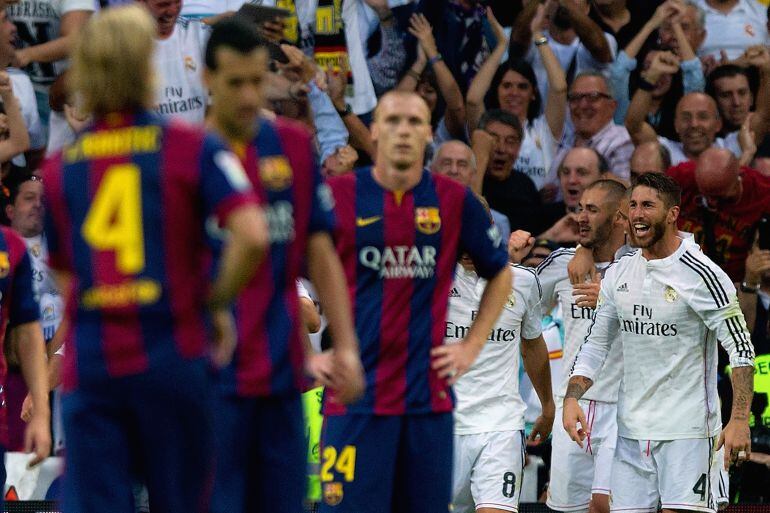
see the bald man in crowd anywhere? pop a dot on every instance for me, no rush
(649, 157)
(721, 205)
(456, 160)
(697, 121)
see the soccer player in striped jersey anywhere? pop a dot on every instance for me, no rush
(399, 232)
(580, 477)
(262, 450)
(126, 215)
(667, 304)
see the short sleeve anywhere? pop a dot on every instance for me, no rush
(23, 308)
(481, 239)
(76, 5)
(223, 181)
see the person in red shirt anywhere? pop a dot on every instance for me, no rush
(722, 203)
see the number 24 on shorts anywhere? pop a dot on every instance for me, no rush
(343, 463)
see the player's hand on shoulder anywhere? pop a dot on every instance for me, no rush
(581, 265)
(572, 415)
(225, 337)
(587, 293)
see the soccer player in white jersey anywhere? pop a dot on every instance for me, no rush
(489, 417)
(667, 304)
(580, 477)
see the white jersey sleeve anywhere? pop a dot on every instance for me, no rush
(532, 323)
(601, 334)
(715, 300)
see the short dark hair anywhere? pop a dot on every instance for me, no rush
(666, 187)
(725, 71)
(615, 190)
(234, 33)
(503, 117)
(15, 180)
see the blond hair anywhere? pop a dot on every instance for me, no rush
(112, 68)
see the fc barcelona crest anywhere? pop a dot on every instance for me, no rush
(275, 173)
(5, 264)
(333, 493)
(427, 220)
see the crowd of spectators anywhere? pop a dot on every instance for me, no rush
(531, 100)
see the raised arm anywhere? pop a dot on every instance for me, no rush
(18, 137)
(759, 57)
(636, 124)
(359, 134)
(454, 116)
(483, 79)
(412, 76)
(521, 32)
(57, 49)
(556, 103)
(590, 34)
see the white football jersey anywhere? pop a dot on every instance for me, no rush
(46, 293)
(554, 280)
(668, 313)
(179, 71)
(488, 396)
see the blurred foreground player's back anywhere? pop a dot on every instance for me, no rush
(128, 203)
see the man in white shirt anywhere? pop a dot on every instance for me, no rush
(179, 62)
(733, 26)
(489, 416)
(45, 30)
(580, 477)
(667, 304)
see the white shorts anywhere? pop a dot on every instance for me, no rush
(577, 473)
(721, 483)
(487, 471)
(677, 474)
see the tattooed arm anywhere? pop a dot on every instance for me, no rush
(736, 436)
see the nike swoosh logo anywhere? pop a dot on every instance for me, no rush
(366, 221)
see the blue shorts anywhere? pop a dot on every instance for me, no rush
(261, 455)
(153, 428)
(384, 464)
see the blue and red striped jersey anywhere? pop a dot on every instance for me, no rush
(127, 208)
(281, 165)
(399, 252)
(17, 300)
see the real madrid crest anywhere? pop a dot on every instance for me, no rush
(670, 294)
(511, 300)
(427, 220)
(35, 250)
